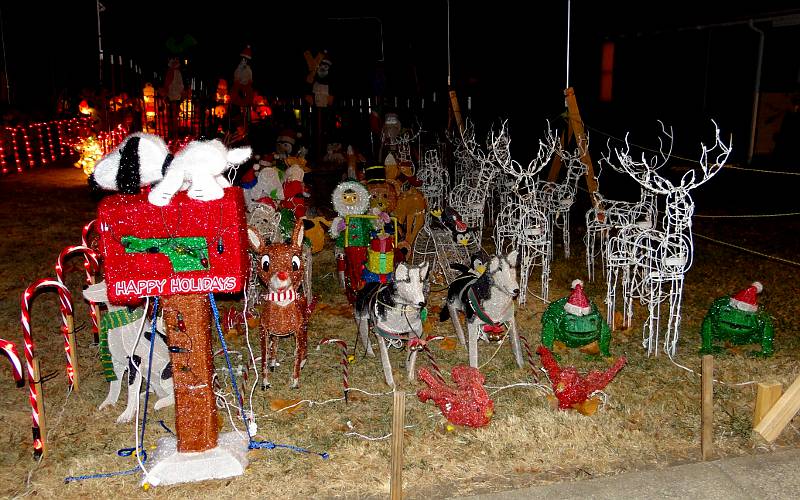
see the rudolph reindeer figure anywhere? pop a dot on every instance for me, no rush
(655, 261)
(121, 349)
(522, 224)
(393, 311)
(487, 301)
(284, 312)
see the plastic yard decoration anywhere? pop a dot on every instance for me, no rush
(570, 388)
(467, 404)
(394, 312)
(285, 312)
(575, 321)
(651, 262)
(739, 320)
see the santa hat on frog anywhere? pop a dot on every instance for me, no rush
(747, 299)
(577, 303)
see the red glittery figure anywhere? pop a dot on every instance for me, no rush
(468, 404)
(569, 387)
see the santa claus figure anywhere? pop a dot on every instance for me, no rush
(242, 91)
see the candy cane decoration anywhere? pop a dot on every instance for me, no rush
(423, 345)
(91, 270)
(10, 350)
(344, 362)
(32, 363)
(90, 277)
(529, 355)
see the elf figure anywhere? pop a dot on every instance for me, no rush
(295, 191)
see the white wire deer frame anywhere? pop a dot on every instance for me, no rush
(613, 215)
(657, 259)
(469, 195)
(521, 223)
(436, 245)
(557, 199)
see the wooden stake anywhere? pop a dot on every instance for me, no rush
(575, 128)
(73, 354)
(707, 408)
(768, 393)
(37, 376)
(398, 426)
(782, 412)
(456, 111)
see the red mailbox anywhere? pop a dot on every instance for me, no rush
(186, 247)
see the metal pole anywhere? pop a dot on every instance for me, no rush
(100, 9)
(756, 93)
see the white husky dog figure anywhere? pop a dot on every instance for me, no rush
(393, 311)
(487, 301)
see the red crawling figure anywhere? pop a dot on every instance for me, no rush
(569, 387)
(467, 405)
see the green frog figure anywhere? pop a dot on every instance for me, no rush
(739, 320)
(575, 321)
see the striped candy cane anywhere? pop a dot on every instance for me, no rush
(9, 349)
(32, 363)
(93, 268)
(345, 364)
(91, 265)
(529, 355)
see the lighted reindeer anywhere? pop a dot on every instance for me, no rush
(284, 311)
(478, 169)
(557, 199)
(610, 216)
(522, 224)
(654, 261)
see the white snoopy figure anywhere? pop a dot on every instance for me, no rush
(198, 168)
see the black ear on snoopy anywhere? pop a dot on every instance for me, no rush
(136, 162)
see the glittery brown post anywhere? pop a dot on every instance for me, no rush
(188, 322)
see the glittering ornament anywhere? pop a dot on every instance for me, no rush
(569, 387)
(467, 404)
(739, 320)
(575, 321)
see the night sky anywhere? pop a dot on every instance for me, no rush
(511, 61)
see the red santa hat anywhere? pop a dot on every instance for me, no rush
(287, 135)
(247, 53)
(577, 303)
(747, 299)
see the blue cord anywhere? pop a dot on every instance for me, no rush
(253, 444)
(127, 452)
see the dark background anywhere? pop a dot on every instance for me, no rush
(681, 62)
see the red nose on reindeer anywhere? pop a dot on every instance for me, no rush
(283, 275)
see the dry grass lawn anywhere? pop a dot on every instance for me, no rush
(650, 418)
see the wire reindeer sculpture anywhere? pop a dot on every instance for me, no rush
(653, 260)
(521, 223)
(610, 216)
(476, 172)
(557, 199)
(434, 244)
